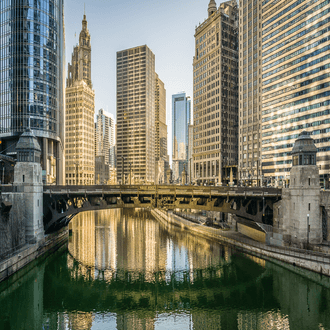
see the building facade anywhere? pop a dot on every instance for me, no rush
(215, 64)
(162, 159)
(32, 81)
(105, 136)
(250, 90)
(181, 118)
(79, 127)
(136, 79)
(295, 83)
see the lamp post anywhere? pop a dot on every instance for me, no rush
(122, 170)
(3, 172)
(130, 173)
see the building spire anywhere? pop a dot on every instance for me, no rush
(212, 7)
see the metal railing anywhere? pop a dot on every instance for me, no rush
(11, 252)
(238, 241)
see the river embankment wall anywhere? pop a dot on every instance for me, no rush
(30, 252)
(316, 262)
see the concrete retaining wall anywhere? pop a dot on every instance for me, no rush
(30, 253)
(308, 261)
(257, 235)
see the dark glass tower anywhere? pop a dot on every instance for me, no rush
(31, 78)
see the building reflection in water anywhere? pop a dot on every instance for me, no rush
(124, 270)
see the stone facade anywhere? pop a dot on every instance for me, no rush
(298, 215)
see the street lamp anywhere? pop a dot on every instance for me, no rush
(122, 170)
(130, 173)
(3, 172)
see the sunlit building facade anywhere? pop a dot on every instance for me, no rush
(295, 83)
(136, 79)
(181, 117)
(32, 81)
(250, 90)
(80, 127)
(215, 65)
(162, 159)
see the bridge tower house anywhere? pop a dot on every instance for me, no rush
(28, 182)
(300, 212)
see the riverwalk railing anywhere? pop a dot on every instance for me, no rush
(238, 241)
(11, 252)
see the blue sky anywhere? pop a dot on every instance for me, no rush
(167, 27)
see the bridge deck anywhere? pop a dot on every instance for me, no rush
(163, 190)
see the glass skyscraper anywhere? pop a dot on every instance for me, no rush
(31, 77)
(295, 82)
(181, 107)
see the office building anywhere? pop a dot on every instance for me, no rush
(80, 127)
(190, 153)
(162, 159)
(32, 81)
(250, 91)
(181, 117)
(215, 65)
(295, 84)
(161, 127)
(105, 136)
(136, 115)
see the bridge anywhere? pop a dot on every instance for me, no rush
(62, 203)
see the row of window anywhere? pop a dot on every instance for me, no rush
(302, 118)
(296, 20)
(298, 52)
(299, 68)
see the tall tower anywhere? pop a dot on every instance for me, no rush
(162, 159)
(215, 67)
(250, 72)
(136, 115)
(79, 128)
(181, 108)
(105, 136)
(32, 81)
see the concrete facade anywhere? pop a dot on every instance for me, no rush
(250, 98)
(136, 85)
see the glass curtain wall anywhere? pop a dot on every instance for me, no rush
(31, 62)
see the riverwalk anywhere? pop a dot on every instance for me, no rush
(314, 261)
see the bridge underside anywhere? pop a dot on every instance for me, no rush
(60, 208)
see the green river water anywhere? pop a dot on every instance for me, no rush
(125, 270)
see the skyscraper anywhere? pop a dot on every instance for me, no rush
(105, 136)
(161, 127)
(162, 159)
(136, 115)
(295, 82)
(32, 82)
(104, 143)
(181, 108)
(79, 127)
(250, 67)
(215, 67)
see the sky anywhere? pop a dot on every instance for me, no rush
(166, 27)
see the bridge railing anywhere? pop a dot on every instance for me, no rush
(185, 189)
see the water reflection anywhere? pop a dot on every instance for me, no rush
(124, 270)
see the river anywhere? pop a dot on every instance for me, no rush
(122, 269)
